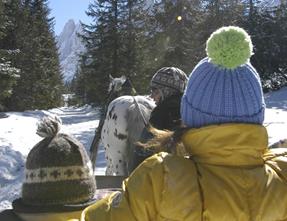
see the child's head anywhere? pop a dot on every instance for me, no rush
(224, 87)
(58, 170)
(166, 82)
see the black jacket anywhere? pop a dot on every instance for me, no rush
(166, 115)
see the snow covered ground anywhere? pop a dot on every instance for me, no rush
(18, 136)
(276, 115)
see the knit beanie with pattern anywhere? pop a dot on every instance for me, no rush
(58, 170)
(224, 87)
(169, 80)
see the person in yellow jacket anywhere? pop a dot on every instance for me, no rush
(221, 167)
(58, 179)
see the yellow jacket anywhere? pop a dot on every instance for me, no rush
(230, 175)
(50, 216)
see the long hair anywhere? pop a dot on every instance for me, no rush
(166, 141)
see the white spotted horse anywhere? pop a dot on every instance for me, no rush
(125, 120)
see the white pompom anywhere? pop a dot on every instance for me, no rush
(49, 126)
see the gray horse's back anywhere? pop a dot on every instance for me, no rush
(125, 120)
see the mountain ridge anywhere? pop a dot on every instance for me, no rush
(70, 47)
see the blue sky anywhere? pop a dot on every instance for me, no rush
(63, 10)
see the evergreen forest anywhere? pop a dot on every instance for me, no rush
(30, 75)
(128, 37)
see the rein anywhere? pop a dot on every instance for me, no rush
(134, 92)
(141, 113)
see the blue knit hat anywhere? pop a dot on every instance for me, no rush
(224, 87)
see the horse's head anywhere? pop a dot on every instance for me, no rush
(121, 86)
(116, 83)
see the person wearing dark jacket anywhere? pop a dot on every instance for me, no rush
(58, 180)
(167, 87)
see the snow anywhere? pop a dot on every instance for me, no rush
(276, 115)
(18, 136)
(269, 3)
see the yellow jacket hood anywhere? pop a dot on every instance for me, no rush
(228, 144)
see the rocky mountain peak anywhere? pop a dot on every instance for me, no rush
(70, 47)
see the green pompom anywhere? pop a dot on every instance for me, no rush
(229, 47)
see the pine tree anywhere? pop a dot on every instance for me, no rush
(40, 85)
(90, 76)
(102, 40)
(135, 34)
(8, 73)
(178, 33)
(220, 13)
(268, 29)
